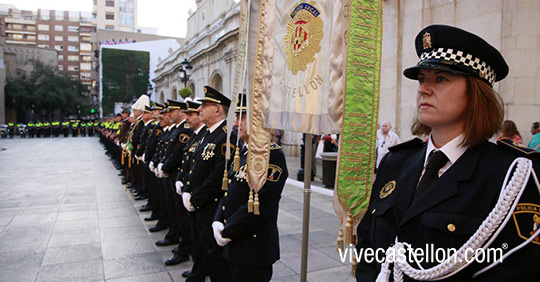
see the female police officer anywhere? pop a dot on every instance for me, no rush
(431, 197)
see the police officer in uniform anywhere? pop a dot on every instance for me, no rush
(203, 189)
(438, 193)
(199, 130)
(251, 241)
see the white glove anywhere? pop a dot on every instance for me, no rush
(179, 186)
(143, 157)
(156, 172)
(218, 227)
(151, 166)
(159, 166)
(186, 198)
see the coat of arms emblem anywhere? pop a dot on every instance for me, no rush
(303, 37)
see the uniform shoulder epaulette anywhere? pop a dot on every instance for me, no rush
(409, 144)
(274, 146)
(224, 128)
(515, 147)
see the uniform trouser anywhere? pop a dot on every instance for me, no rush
(162, 202)
(137, 176)
(245, 273)
(218, 267)
(151, 191)
(186, 246)
(173, 234)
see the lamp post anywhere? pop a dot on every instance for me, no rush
(149, 90)
(185, 71)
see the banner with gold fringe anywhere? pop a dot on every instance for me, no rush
(357, 142)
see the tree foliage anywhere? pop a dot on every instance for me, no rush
(46, 91)
(185, 92)
(125, 76)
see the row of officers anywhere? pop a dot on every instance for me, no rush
(53, 129)
(174, 155)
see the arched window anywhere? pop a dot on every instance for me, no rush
(174, 94)
(217, 82)
(161, 97)
(192, 87)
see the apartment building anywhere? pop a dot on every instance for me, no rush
(118, 15)
(71, 33)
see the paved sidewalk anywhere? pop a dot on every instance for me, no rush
(64, 216)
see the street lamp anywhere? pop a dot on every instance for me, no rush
(149, 90)
(185, 71)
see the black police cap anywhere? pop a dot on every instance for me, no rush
(214, 96)
(176, 105)
(455, 50)
(148, 109)
(241, 103)
(158, 106)
(192, 106)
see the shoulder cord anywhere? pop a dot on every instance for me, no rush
(508, 199)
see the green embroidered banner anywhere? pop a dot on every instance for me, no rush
(357, 149)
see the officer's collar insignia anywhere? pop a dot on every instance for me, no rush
(426, 40)
(274, 173)
(387, 189)
(183, 138)
(158, 132)
(527, 219)
(208, 151)
(224, 128)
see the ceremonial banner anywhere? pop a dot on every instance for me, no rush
(357, 143)
(304, 62)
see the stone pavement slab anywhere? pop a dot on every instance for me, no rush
(64, 216)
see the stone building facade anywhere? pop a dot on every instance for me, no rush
(513, 27)
(209, 46)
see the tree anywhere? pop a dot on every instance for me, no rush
(46, 91)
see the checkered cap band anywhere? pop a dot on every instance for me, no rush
(484, 70)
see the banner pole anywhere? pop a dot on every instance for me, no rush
(307, 194)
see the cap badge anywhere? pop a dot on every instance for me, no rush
(426, 38)
(205, 90)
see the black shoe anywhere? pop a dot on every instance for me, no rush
(175, 259)
(174, 250)
(150, 218)
(186, 273)
(140, 197)
(124, 182)
(157, 228)
(165, 242)
(145, 208)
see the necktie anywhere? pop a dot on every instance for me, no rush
(435, 162)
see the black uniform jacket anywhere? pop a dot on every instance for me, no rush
(450, 210)
(255, 238)
(177, 142)
(204, 180)
(162, 143)
(147, 131)
(151, 143)
(187, 155)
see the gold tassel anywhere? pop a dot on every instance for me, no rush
(353, 267)
(237, 160)
(340, 239)
(348, 230)
(256, 205)
(250, 201)
(224, 185)
(129, 161)
(122, 157)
